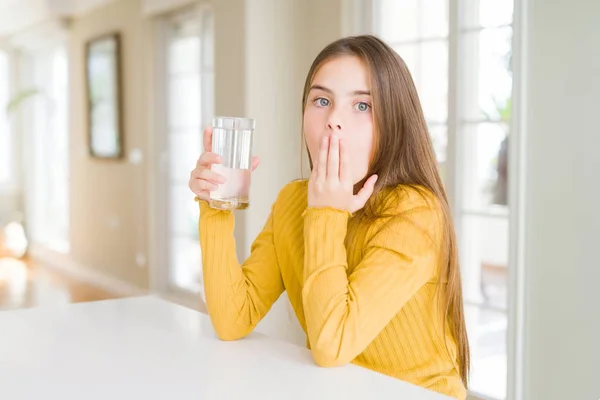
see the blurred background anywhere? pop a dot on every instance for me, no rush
(103, 104)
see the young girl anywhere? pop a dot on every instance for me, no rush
(365, 248)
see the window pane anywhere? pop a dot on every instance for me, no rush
(434, 18)
(485, 165)
(184, 101)
(184, 55)
(487, 76)
(408, 20)
(190, 108)
(433, 83)
(484, 262)
(186, 271)
(59, 170)
(486, 13)
(49, 130)
(487, 332)
(439, 137)
(428, 65)
(410, 54)
(398, 20)
(208, 98)
(484, 267)
(183, 212)
(184, 149)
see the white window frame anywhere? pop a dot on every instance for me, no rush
(516, 183)
(160, 281)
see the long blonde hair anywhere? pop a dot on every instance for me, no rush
(404, 155)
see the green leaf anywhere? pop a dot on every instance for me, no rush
(20, 98)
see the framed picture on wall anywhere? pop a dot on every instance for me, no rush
(104, 96)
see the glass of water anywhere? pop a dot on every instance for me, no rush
(232, 140)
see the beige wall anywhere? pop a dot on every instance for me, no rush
(230, 77)
(282, 38)
(108, 203)
(263, 51)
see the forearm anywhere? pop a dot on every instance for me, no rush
(224, 282)
(237, 296)
(345, 312)
(325, 294)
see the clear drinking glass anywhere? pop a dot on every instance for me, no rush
(232, 140)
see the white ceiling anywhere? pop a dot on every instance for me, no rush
(17, 15)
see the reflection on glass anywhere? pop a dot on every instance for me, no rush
(486, 165)
(487, 77)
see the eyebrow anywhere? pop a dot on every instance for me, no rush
(355, 92)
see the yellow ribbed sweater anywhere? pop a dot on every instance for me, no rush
(363, 293)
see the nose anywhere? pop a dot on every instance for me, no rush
(334, 123)
(334, 126)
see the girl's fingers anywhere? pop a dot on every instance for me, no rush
(323, 152)
(208, 175)
(364, 193)
(207, 138)
(333, 161)
(206, 185)
(207, 158)
(345, 175)
(255, 162)
(201, 187)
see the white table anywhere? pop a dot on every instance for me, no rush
(147, 348)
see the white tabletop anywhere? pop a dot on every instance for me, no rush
(147, 348)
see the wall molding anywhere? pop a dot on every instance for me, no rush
(151, 8)
(41, 36)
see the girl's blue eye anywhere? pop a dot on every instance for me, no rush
(322, 102)
(362, 106)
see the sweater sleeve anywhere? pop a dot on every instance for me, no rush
(344, 314)
(237, 297)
